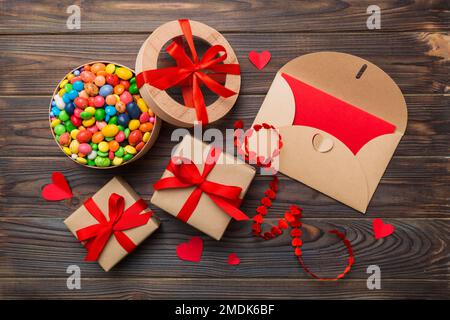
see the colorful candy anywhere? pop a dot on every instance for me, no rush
(98, 117)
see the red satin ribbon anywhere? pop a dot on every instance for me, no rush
(191, 73)
(186, 174)
(97, 235)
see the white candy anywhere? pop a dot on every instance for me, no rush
(92, 155)
(59, 102)
(74, 156)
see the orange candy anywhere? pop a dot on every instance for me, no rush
(96, 67)
(97, 137)
(146, 127)
(119, 89)
(113, 146)
(111, 100)
(150, 113)
(139, 146)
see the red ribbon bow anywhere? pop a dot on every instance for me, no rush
(190, 72)
(186, 174)
(97, 235)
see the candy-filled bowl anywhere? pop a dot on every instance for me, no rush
(98, 118)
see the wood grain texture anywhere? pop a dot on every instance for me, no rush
(411, 187)
(426, 134)
(228, 288)
(417, 250)
(251, 16)
(413, 59)
(412, 46)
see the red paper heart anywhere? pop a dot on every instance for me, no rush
(58, 190)
(282, 224)
(381, 229)
(259, 60)
(233, 259)
(191, 251)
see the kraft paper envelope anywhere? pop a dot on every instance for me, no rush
(340, 118)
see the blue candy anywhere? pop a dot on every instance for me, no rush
(70, 107)
(133, 110)
(123, 119)
(55, 111)
(73, 94)
(53, 103)
(78, 85)
(105, 90)
(107, 117)
(66, 98)
(110, 110)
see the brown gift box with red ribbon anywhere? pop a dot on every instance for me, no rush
(203, 187)
(112, 223)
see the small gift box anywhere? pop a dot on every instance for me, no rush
(112, 223)
(203, 187)
(190, 72)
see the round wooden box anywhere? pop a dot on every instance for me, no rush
(148, 145)
(159, 100)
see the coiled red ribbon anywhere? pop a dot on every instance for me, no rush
(292, 217)
(191, 72)
(186, 174)
(97, 235)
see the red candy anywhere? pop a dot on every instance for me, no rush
(81, 102)
(84, 136)
(135, 137)
(126, 97)
(112, 79)
(99, 101)
(76, 120)
(125, 83)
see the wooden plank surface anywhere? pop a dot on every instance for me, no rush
(231, 15)
(413, 47)
(417, 61)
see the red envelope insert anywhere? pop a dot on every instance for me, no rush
(318, 109)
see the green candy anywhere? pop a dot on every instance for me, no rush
(91, 163)
(68, 87)
(133, 80)
(84, 115)
(119, 153)
(121, 128)
(109, 138)
(113, 120)
(60, 129)
(63, 115)
(127, 157)
(102, 154)
(69, 126)
(57, 138)
(127, 132)
(94, 146)
(102, 161)
(100, 114)
(133, 88)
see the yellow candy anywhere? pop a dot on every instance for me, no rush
(130, 149)
(70, 76)
(103, 146)
(89, 122)
(117, 97)
(134, 124)
(110, 130)
(67, 151)
(124, 73)
(142, 105)
(63, 83)
(91, 110)
(55, 122)
(61, 92)
(110, 68)
(81, 160)
(117, 161)
(73, 133)
(146, 136)
(74, 146)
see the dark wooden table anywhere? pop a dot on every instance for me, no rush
(412, 46)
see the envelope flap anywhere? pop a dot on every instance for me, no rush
(336, 73)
